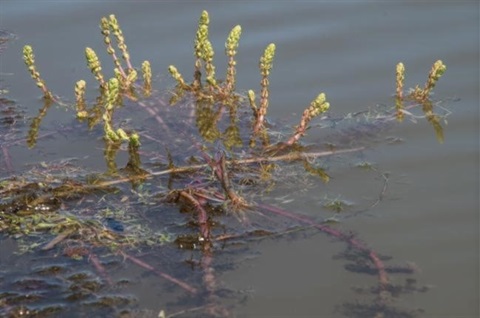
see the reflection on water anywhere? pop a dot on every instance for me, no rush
(350, 53)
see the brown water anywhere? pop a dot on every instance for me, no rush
(428, 216)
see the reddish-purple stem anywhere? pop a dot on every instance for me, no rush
(382, 274)
(201, 214)
(172, 279)
(154, 114)
(100, 268)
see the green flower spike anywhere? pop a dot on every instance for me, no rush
(199, 50)
(29, 59)
(131, 78)
(147, 75)
(122, 134)
(318, 106)
(105, 27)
(111, 95)
(134, 140)
(231, 50)
(209, 67)
(266, 63)
(438, 69)
(400, 79)
(119, 75)
(105, 30)
(80, 87)
(177, 76)
(233, 39)
(400, 76)
(202, 34)
(117, 32)
(422, 94)
(112, 92)
(251, 99)
(94, 65)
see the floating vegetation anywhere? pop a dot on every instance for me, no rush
(337, 205)
(219, 158)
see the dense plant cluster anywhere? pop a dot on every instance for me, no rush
(233, 149)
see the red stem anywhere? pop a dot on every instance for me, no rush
(172, 279)
(382, 274)
(100, 268)
(202, 215)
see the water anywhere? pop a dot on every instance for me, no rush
(428, 216)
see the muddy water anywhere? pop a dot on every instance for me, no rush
(427, 216)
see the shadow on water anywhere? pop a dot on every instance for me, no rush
(159, 227)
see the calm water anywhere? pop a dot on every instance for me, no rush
(429, 215)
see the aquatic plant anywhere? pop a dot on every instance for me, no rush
(420, 95)
(29, 59)
(218, 181)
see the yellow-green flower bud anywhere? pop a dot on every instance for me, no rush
(400, 79)
(105, 26)
(113, 23)
(251, 99)
(209, 53)
(112, 136)
(176, 75)
(132, 76)
(134, 140)
(204, 18)
(122, 134)
(232, 41)
(82, 114)
(266, 61)
(437, 70)
(118, 74)
(147, 73)
(80, 89)
(251, 95)
(112, 92)
(201, 38)
(400, 71)
(94, 65)
(29, 57)
(202, 34)
(319, 105)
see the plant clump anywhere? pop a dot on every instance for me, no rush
(224, 169)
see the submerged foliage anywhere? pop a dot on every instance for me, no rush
(230, 154)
